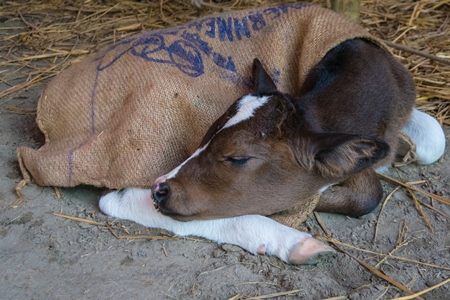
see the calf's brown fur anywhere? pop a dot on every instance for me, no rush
(345, 122)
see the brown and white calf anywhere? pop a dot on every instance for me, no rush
(271, 150)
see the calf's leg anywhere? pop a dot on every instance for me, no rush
(254, 233)
(427, 135)
(354, 197)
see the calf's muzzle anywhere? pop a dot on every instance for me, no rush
(161, 192)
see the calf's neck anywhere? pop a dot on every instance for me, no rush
(270, 150)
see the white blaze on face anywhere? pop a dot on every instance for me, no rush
(246, 107)
(174, 172)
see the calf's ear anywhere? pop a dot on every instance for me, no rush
(341, 155)
(262, 82)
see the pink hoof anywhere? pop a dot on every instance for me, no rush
(308, 252)
(261, 250)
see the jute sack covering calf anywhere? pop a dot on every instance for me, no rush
(136, 110)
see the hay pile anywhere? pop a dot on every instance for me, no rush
(41, 38)
(423, 26)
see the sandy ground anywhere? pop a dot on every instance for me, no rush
(43, 256)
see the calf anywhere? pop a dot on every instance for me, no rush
(271, 150)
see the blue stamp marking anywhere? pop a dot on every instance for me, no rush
(272, 12)
(211, 27)
(276, 75)
(189, 50)
(241, 28)
(225, 28)
(186, 58)
(181, 53)
(258, 21)
(226, 63)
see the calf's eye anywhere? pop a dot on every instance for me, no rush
(237, 161)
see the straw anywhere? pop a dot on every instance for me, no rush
(78, 28)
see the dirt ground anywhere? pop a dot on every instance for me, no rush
(44, 256)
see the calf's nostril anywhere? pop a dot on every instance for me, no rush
(161, 192)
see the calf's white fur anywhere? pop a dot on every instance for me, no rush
(427, 135)
(256, 234)
(259, 234)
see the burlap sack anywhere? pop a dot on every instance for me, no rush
(296, 215)
(134, 111)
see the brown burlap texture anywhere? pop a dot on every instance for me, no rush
(296, 215)
(134, 111)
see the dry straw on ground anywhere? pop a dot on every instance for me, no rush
(43, 37)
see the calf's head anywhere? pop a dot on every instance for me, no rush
(261, 157)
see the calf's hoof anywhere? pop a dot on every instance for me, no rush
(308, 252)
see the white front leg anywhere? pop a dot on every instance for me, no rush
(254, 233)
